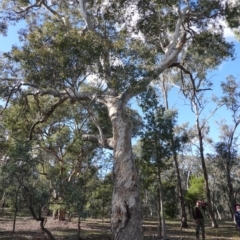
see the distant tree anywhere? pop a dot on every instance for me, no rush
(226, 161)
(156, 136)
(191, 77)
(196, 189)
(24, 185)
(147, 182)
(57, 146)
(226, 154)
(177, 142)
(99, 201)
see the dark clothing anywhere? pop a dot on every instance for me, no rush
(237, 218)
(199, 216)
(198, 212)
(200, 223)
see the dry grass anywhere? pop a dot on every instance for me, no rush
(225, 231)
(97, 229)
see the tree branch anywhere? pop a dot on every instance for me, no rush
(108, 142)
(37, 4)
(85, 15)
(98, 126)
(47, 115)
(174, 42)
(54, 12)
(168, 59)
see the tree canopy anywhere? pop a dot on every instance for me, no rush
(88, 59)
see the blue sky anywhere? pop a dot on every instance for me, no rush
(176, 99)
(6, 42)
(231, 67)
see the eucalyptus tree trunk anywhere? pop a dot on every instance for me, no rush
(161, 207)
(3, 200)
(180, 193)
(231, 198)
(15, 209)
(231, 195)
(217, 211)
(79, 226)
(205, 174)
(126, 217)
(159, 214)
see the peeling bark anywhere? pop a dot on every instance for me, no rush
(126, 217)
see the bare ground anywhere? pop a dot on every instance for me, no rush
(98, 229)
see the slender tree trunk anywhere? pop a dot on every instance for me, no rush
(42, 223)
(162, 207)
(217, 211)
(126, 216)
(211, 213)
(61, 214)
(14, 218)
(79, 226)
(102, 207)
(165, 89)
(159, 214)
(15, 209)
(188, 177)
(41, 219)
(231, 198)
(55, 213)
(3, 201)
(180, 193)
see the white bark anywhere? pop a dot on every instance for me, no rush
(126, 211)
(85, 15)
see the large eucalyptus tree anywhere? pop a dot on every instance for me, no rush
(119, 46)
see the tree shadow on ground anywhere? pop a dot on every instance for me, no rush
(98, 229)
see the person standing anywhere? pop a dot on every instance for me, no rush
(237, 216)
(199, 217)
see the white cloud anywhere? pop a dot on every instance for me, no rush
(228, 33)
